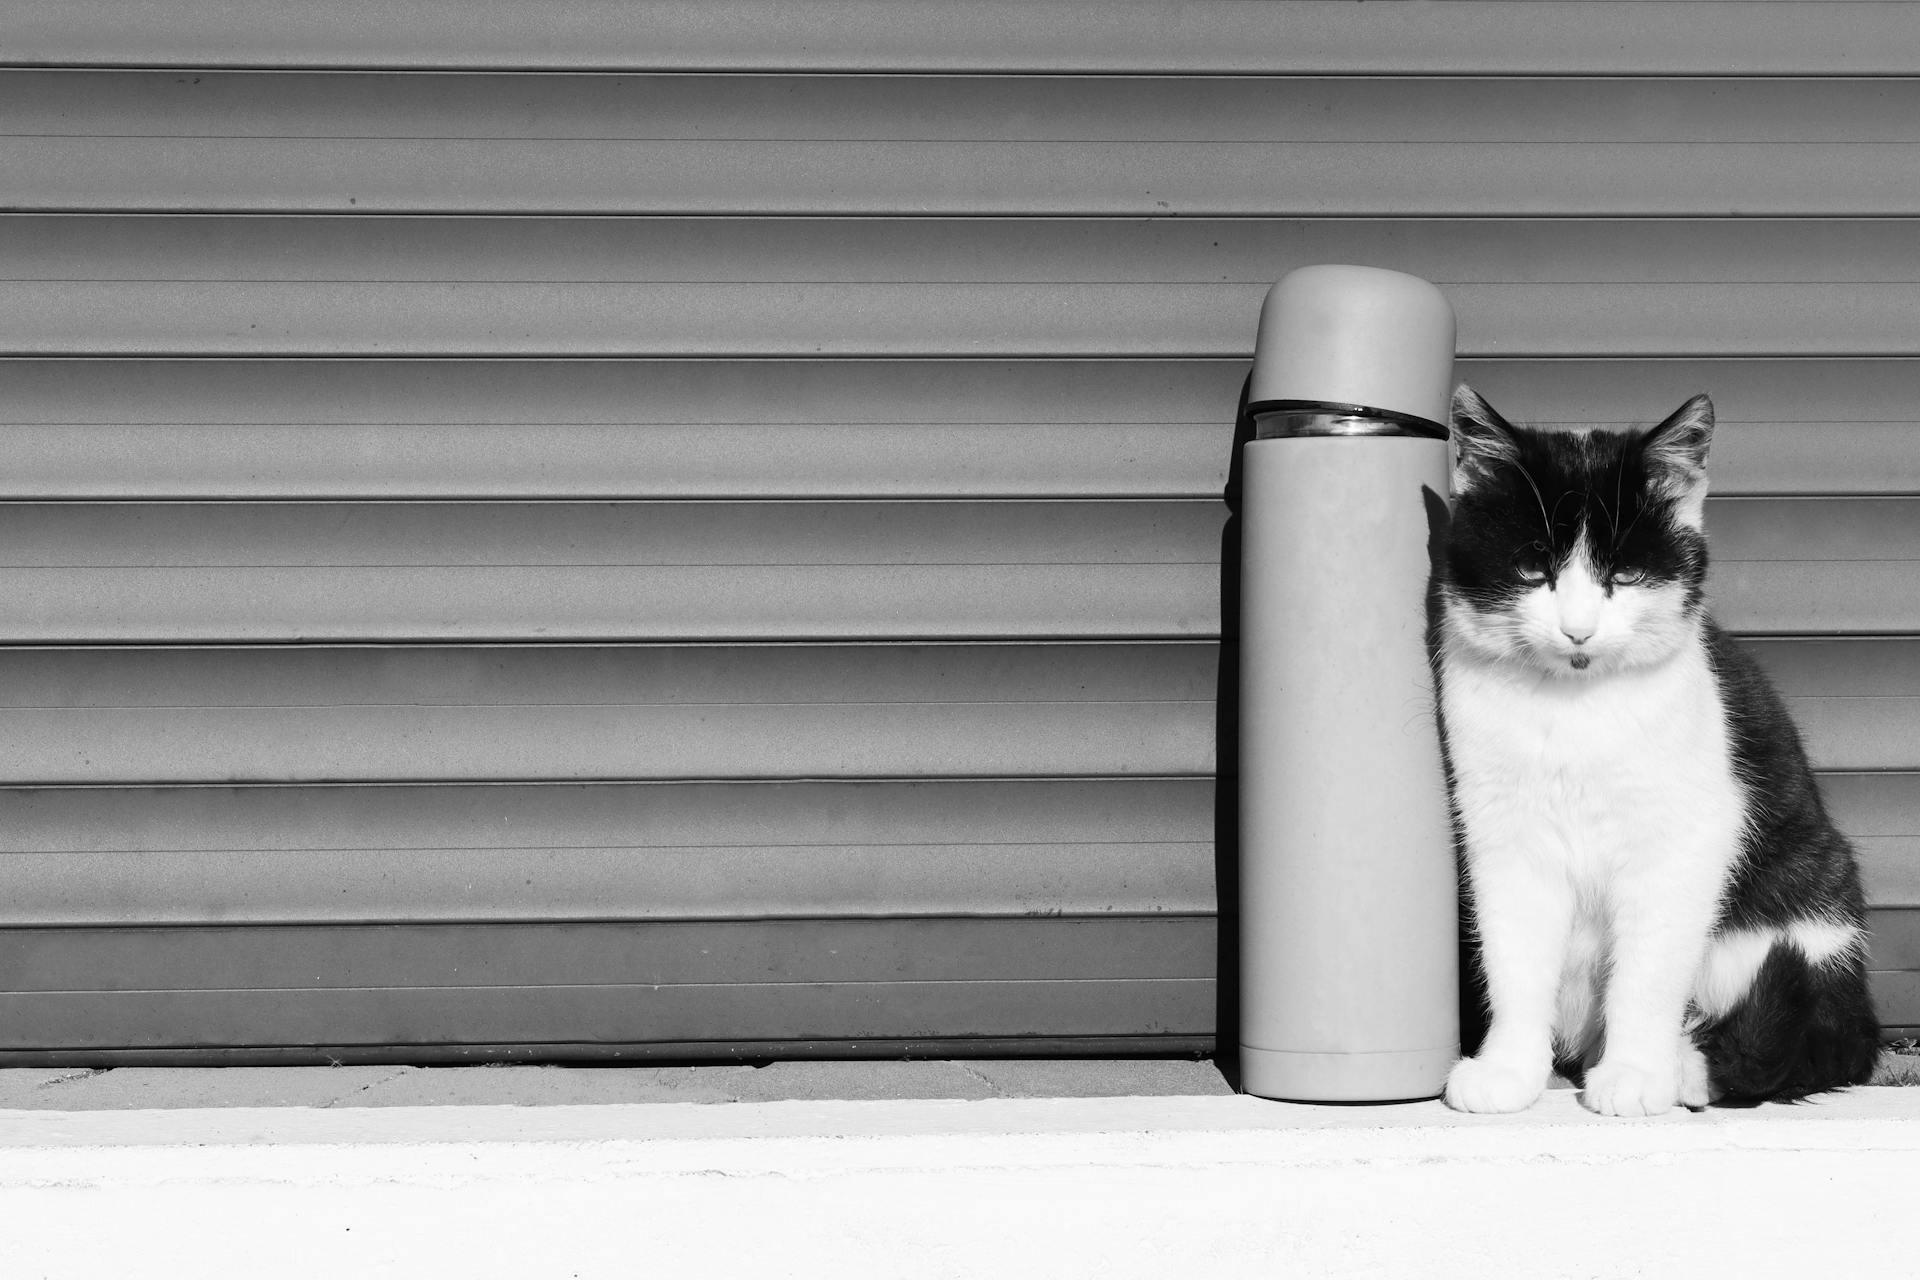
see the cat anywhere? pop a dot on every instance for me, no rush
(1664, 908)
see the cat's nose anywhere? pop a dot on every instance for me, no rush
(1578, 637)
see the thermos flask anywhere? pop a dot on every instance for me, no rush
(1348, 894)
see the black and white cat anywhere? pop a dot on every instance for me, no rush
(1659, 894)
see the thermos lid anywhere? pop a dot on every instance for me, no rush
(1359, 338)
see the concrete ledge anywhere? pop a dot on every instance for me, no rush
(1090, 1186)
(121, 1088)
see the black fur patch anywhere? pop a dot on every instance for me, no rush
(1802, 1028)
(1528, 514)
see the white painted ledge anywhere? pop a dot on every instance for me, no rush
(1109, 1187)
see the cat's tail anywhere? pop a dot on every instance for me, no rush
(1803, 1028)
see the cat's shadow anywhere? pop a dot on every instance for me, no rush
(1473, 979)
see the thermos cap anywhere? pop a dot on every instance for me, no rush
(1361, 338)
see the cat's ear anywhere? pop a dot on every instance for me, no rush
(1483, 440)
(1676, 458)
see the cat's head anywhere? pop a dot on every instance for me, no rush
(1575, 553)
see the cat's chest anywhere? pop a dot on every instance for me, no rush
(1643, 732)
(1597, 777)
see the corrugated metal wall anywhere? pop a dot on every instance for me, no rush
(697, 528)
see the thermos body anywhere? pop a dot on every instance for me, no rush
(1349, 901)
(1348, 896)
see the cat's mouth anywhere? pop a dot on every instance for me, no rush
(1580, 661)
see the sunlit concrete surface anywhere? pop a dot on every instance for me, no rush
(79, 1089)
(1217, 1185)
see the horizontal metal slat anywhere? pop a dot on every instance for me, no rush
(1890, 869)
(1873, 804)
(559, 108)
(1814, 529)
(615, 675)
(398, 1021)
(580, 713)
(1560, 252)
(1864, 732)
(76, 988)
(1144, 146)
(170, 887)
(626, 1053)
(1843, 669)
(253, 855)
(613, 428)
(609, 571)
(610, 534)
(1108, 179)
(999, 287)
(698, 953)
(141, 318)
(1896, 939)
(600, 604)
(538, 460)
(268, 428)
(325, 319)
(704, 394)
(663, 429)
(1896, 997)
(1786, 598)
(1290, 36)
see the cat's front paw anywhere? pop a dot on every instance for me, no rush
(1483, 1085)
(1617, 1089)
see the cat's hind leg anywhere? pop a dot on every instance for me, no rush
(1696, 1085)
(1578, 1034)
(1800, 1024)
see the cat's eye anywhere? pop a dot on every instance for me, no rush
(1530, 562)
(1627, 577)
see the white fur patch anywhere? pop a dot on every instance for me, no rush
(1823, 940)
(1734, 957)
(1732, 963)
(1601, 808)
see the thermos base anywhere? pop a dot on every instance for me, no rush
(1403, 1076)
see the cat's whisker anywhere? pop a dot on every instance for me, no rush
(1579, 500)
(1533, 484)
(1613, 514)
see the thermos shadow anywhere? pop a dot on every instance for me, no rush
(1226, 746)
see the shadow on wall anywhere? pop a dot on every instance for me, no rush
(1226, 749)
(1473, 981)
(1226, 801)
